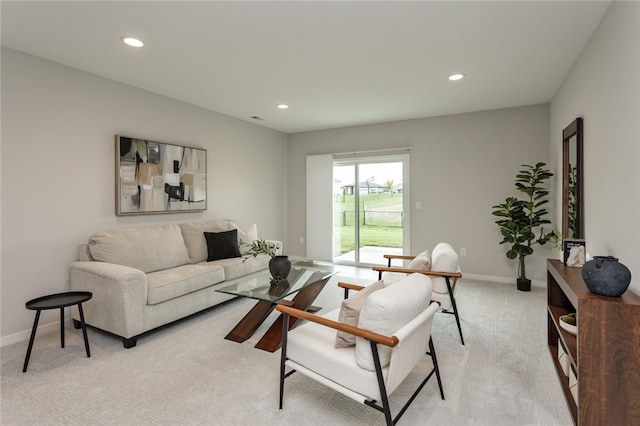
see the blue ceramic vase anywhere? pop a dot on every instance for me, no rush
(606, 276)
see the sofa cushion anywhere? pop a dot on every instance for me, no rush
(246, 237)
(175, 282)
(350, 312)
(222, 245)
(387, 310)
(193, 234)
(147, 249)
(239, 267)
(443, 259)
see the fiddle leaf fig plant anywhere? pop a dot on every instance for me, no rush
(521, 219)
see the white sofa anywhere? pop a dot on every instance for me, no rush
(143, 278)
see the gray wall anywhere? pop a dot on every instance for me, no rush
(461, 165)
(58, 127)
(603, 87)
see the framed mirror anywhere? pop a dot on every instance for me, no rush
(572, 181)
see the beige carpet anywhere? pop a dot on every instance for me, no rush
(187, 374)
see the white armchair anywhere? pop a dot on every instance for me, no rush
(443, 268)
(393, 334)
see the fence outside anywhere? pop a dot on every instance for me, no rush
(371, 218)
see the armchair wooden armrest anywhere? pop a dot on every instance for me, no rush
(369, 335)
(399, 256)
(391, 257)
(382, 269)
(348, 287)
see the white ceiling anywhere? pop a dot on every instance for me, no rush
(335, 63)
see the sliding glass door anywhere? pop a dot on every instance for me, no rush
(369, 208)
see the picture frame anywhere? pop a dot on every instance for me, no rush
(156, 177)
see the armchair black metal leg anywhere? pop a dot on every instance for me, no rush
(283, 356)
(454, 308)
(383, 389)
(432, 353)
(455, 313)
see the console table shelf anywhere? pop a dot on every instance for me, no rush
(604, 356)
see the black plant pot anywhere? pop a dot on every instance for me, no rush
(524, 284)
(279, 266)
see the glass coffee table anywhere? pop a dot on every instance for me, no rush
(306, 283)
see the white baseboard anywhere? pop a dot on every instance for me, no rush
(25, 334)
(506, 280)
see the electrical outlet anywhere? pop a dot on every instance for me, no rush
(463, 251)
(301, 240)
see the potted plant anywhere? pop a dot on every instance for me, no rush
(279, 265)
(521, 219)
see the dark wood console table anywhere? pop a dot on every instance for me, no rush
(604, 355)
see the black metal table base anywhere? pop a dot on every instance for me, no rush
(55, 301)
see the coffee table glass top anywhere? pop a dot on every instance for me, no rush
(261, 287)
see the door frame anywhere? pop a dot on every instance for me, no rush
(377, 157)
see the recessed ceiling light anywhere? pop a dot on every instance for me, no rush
(283, 106)
(133, 42)
(455, 77)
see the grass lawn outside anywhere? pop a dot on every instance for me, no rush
(377, 236)
(380, 218)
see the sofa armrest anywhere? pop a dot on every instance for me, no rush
(119, 295)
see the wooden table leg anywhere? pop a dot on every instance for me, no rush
(272, 339)
(250, 323)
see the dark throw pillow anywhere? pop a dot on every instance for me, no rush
(222, 245)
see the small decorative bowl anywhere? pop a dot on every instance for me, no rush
(571, 329)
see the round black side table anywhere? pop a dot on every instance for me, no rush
(57, 301)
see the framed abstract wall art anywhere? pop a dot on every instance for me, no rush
(154, 177)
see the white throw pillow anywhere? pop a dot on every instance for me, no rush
(443, 259)
(421, 261)
(350, 312)
(247, 237)
(193, 234)
(386, 311)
